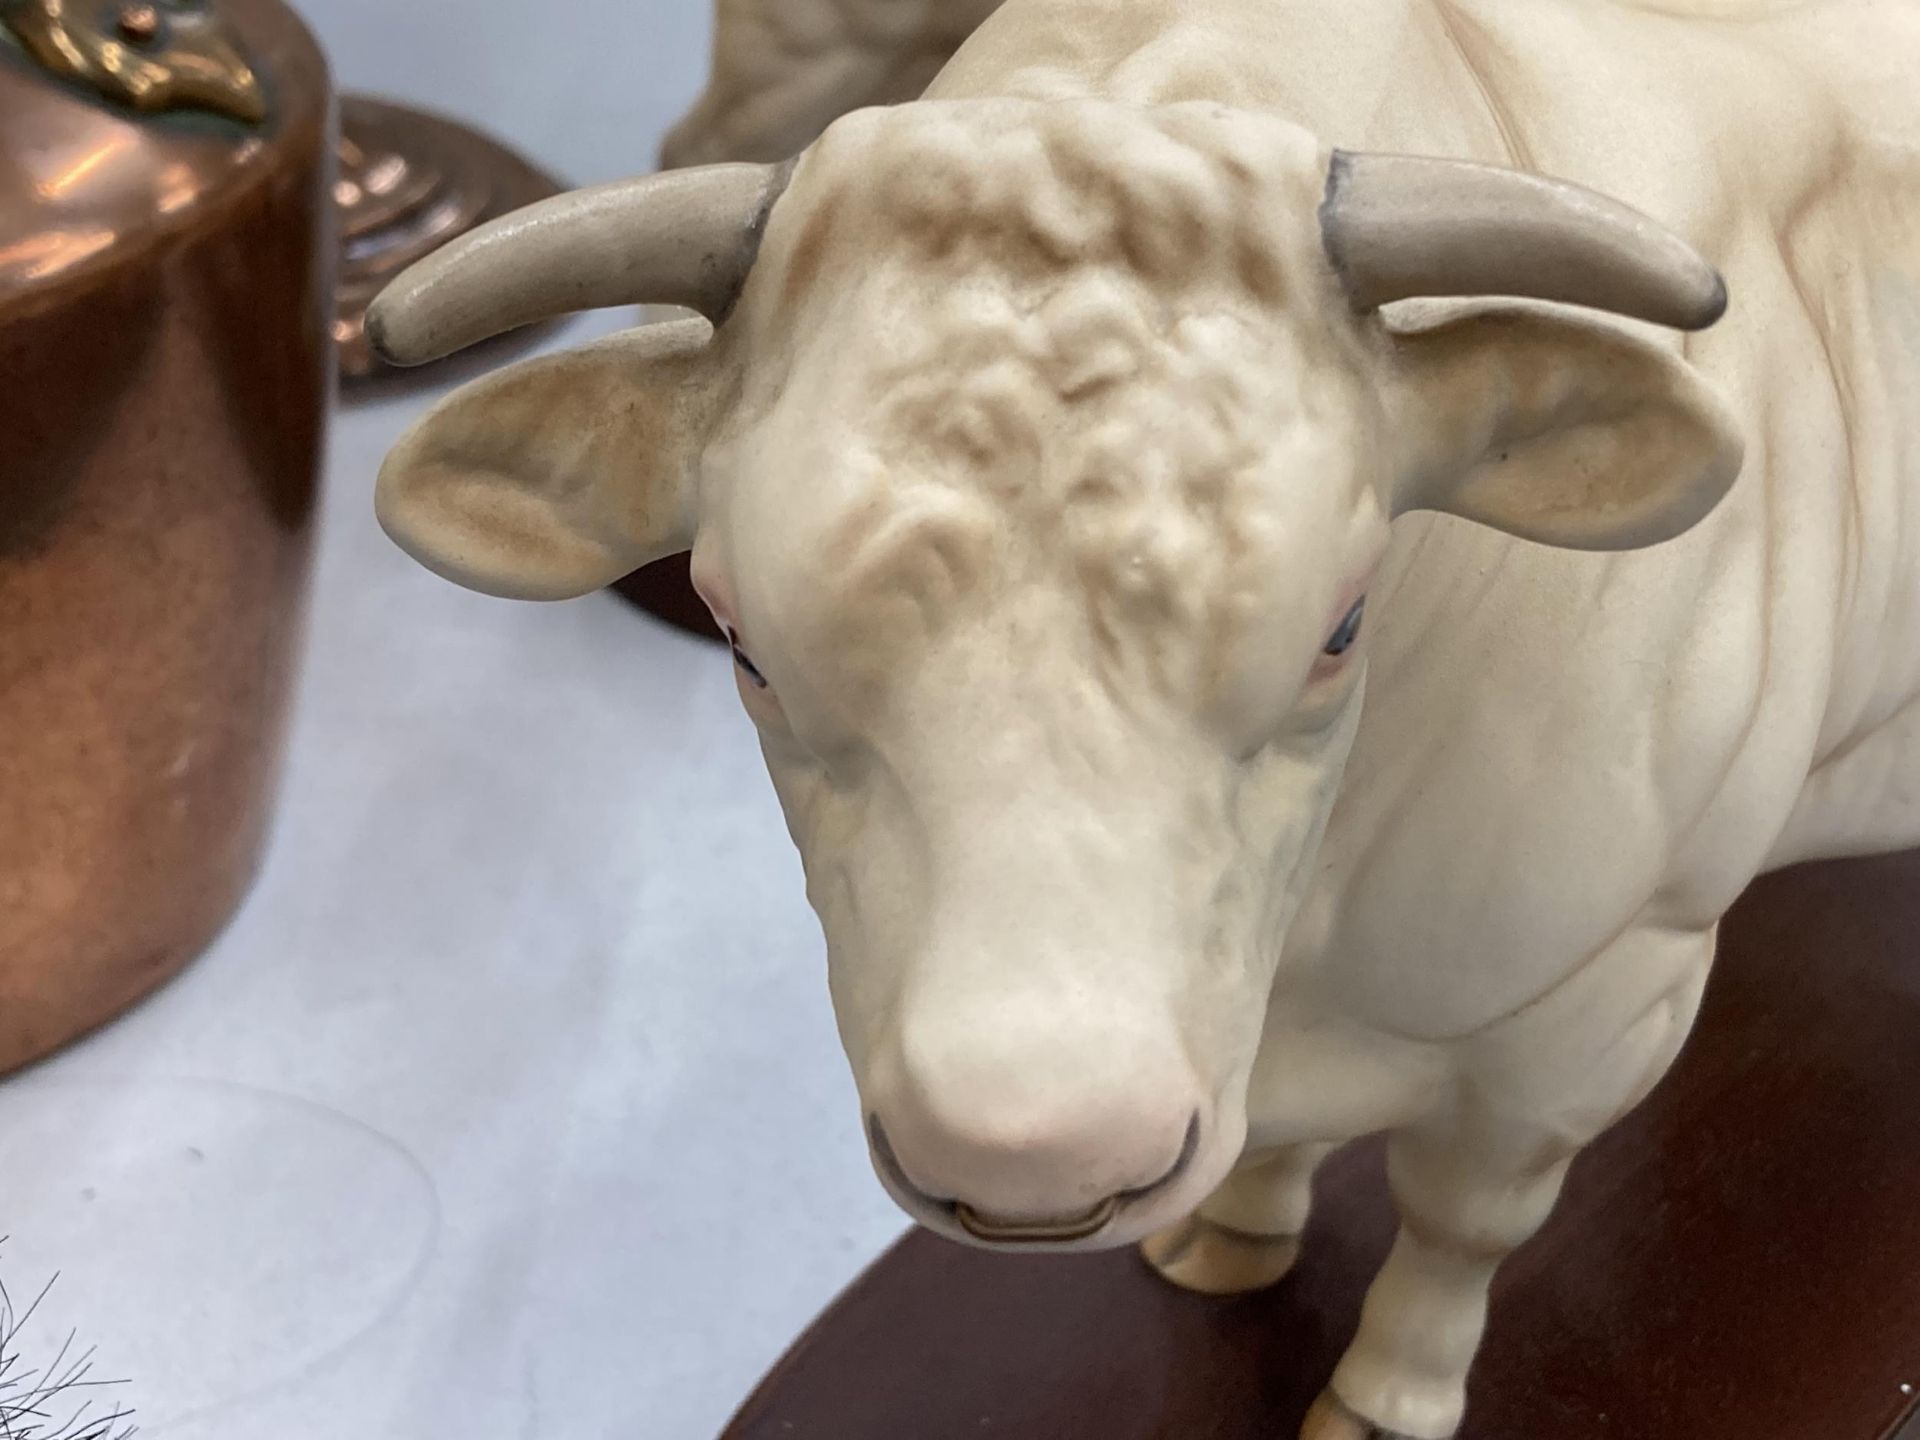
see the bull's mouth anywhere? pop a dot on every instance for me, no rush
(1015, 1232)
(999, 1231)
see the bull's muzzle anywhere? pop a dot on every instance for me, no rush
(1053, 1231)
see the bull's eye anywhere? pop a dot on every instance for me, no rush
(747, 667)
(1348, 630)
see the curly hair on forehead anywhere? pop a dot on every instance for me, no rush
(1178, 194)
(1118, 436)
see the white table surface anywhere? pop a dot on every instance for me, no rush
(510, 1105)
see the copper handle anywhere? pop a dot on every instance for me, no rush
(148, 55)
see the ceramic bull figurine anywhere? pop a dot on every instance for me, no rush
(1271, 618)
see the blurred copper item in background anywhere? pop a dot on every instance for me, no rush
(165, 367)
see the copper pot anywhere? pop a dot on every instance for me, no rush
(165, 370)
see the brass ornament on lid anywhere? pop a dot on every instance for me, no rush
(149, 56)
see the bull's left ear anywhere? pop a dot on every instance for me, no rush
(559, 475)
(1558, 428)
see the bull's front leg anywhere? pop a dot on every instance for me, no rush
(1246, 1235)
(1475, 1179)
(1462, 1211)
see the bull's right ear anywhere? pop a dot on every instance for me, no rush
(556, 476)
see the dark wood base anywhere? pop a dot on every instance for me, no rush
(1738, 1260)
(665, 591)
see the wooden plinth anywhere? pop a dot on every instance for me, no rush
(665, 591)
(1739, 1260)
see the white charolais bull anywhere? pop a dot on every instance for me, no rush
(1261, 640)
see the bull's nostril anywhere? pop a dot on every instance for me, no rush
(894, 1171)
(1189, 1147)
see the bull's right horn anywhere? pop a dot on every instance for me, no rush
(1401, 226)
(685, 237)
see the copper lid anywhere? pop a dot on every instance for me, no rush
(119, 121)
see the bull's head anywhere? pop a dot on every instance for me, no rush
(1039, 456)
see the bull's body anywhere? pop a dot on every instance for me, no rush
(1069, 814)
(1570, 765)
(1568, 760)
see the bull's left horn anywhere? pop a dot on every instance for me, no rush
(685, 237)
(1401, 226)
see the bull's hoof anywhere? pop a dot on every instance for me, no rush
(1331, 1420)
(1196, 1254)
